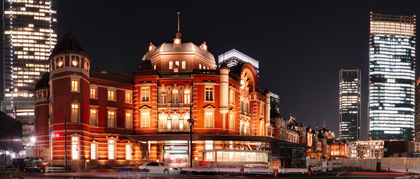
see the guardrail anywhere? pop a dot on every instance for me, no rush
(133, 173)
(49, 169)
(293, 170)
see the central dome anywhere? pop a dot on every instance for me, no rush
(185, 56)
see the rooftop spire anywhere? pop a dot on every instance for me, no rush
(178, 34)
(177, 39)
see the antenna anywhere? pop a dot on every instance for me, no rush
(178, 34)
(178, 20)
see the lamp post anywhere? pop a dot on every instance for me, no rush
(191, 122)
(65, 142)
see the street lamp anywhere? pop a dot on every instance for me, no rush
(191, 122)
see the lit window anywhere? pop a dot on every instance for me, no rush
(93, 93)
(93, 151)
(111, 149)
(184, 65)
(262, 109)
(111, 95)
(175, 96)
(128, 120)
(177, 64)
(199, 66)
(145, 94)
(261, 127)
(171, 64)
(128, 97)
(128, 151)
(94, 117)
(209, 119)
(209, 146)
(75, 148)
(111, 118)
(187, 97)
(209, 93)
(75, 85)
(74, 112)
(145, 119)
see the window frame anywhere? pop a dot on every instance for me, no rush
(75, 145)
(75, 118)
(130, 95)
(114, 151)
(210, 96)
(145, 94)
(75, 85)
(95, 88)
(94, 108)
(114, 122)
(129, 123)
(112, 97)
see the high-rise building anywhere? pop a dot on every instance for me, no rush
(30, 34)
(234, 57)
(349, 104)
(417, 108)
(391, 74)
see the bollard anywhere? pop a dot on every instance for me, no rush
(276, 172)
(309, 172)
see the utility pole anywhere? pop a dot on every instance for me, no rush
(191, 122)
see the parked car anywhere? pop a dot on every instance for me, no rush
(159, 167)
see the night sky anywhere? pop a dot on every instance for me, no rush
(301, 45)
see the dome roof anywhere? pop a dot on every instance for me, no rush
(68, 43)
(43, 82)
(185, 47)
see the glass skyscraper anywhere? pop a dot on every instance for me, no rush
(30, 34)
(392, 77)
(349, 104)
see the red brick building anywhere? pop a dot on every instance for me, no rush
(115, 119)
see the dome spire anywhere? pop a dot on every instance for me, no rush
(177, 39)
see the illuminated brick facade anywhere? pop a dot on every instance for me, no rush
(116, 119)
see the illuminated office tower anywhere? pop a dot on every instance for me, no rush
(234, 57)
(30, 34)
(391, 73)
(349, 102)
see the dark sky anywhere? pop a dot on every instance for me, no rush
(301, 45)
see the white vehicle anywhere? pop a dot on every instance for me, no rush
(159, 167)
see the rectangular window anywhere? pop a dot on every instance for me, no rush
(163, 98)
(93, 151)
(232, 96)
(128, 97)
(75, 85)
(199, 66)
(128, 120)
(145, 94)
(111, 118)
(74, 112)
(128, 152)
(209, 93)
(171, 65)
(261, 109)
(209, 119)
(75, 148)
(184, 65)
(93, 92)
(209, 146)
(187, 97)
(177, 64)
(93, 116)
(145, 119)
(111, 149)
(111, 95)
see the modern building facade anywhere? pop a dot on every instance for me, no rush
(349, 104)
(234, 57)
(30, 34)
(366, 149)
(417, 110)
(392, 77)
